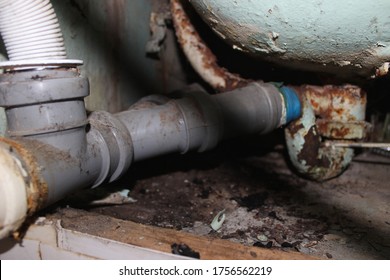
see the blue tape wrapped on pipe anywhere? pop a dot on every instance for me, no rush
(292, 103)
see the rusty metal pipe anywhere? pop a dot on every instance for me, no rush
(330, 112)
(199, 54)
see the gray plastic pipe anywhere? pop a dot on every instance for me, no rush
(47, 139)
(198, 121)
(52, 148)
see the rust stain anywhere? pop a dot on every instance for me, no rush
(37, 191)
(315, 105)
(310, 150)
(334, 102)
(294, 127)
(339, 114)
(189, 39)
(334, 132)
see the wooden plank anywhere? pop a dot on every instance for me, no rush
(209, 248)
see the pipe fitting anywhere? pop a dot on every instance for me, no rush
(199, 121)
(46, 105)
(292, 104)
(51, 149)
(116, 145)
(158, 126)
(330, 112)
(53, 144)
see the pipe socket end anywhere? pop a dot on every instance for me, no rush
(13, 193)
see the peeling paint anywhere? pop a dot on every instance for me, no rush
(329, 112)
(382, 70)
(337, 33)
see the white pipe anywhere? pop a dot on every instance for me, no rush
(27, 26)
(13, 192)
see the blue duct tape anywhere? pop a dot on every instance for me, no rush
(292, 102)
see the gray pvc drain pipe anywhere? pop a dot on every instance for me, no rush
(52, 148)
(199, 121)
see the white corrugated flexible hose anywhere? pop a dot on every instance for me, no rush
(32, 35)
(30, 30)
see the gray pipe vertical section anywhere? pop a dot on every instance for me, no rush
(46, 114)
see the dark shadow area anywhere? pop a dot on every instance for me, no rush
(7, 244)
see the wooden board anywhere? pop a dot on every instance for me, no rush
(161, 239)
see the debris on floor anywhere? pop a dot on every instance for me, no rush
(95, 197)
(266, 204)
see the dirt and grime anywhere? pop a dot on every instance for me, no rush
(266, 204)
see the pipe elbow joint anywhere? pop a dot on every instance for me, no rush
(329, 112)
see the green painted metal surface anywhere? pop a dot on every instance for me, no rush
(324, 35)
